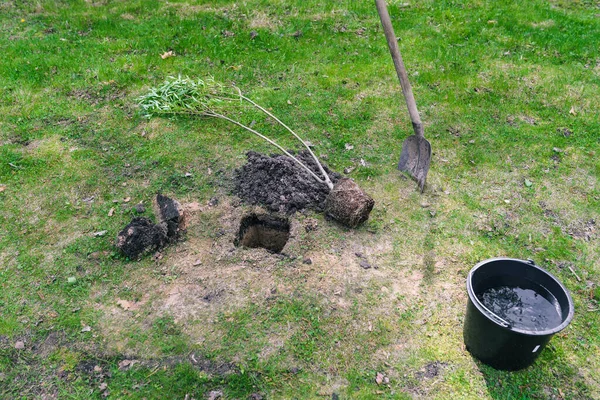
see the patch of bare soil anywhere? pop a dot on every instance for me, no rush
(582, 229)
(206, 275)
(279, 184)
(105, 93)
(431, 370)
(94, 365)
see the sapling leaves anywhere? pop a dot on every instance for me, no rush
(208, 98)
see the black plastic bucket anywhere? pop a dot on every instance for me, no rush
(501, 343)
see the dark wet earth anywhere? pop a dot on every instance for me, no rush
(279, 184)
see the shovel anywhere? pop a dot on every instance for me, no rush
(416, 150)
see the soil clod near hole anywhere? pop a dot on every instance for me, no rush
(170, 213)
(140, 236)
(280, 185)
(266, 231)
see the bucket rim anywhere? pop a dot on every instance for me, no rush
(529, 263)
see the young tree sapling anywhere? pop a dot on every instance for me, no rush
(207, 98)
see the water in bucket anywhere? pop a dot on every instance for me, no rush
(526, 309)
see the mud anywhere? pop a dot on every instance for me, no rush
(279, 184)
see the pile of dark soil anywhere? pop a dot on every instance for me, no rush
(279, 184)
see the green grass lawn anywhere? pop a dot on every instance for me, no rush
(509, 93)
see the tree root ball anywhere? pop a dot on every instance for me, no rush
(348, 204)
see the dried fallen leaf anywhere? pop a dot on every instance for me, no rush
(379, 378)
(167, 54)
(100, 233)
(19, 345)
(96, 255)
(197, 262)
(128, 305)
(111, 212)
(2, 188)
(86, 328)
(572, 110)
(97, 369)
(528, 183)
(126, 199)
(348, 146)
(215, 394)
(103, 386)
(227, 33)
(126, 364)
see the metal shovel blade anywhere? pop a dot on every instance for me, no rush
(415, 158)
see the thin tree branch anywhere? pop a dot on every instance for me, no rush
(326, 176)
(216, 115)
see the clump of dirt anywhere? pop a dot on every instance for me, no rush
(171, 213)
(141, 235)
(279, 184)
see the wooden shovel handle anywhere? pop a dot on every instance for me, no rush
(400, 69)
